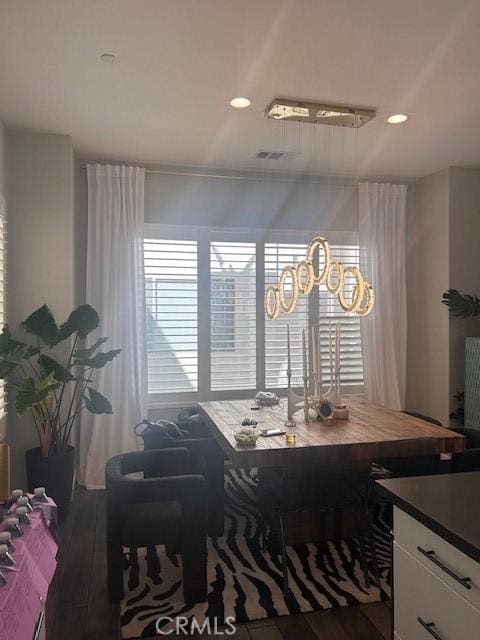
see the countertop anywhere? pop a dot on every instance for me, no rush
(448, 504)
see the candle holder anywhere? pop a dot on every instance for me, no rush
(325, 403)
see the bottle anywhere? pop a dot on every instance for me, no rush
(25, 502)
(12, 526)
(6, 538)
(39, 495)
(6, 559)
(22, 515)
(16, 494)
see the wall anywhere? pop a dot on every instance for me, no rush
(41, 244)
(264, 201)
(464, 202)
(443, 228)
(427, 249)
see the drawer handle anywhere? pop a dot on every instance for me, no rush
(430, 627)
(465, 582)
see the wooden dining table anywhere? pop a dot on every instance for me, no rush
(372, 432)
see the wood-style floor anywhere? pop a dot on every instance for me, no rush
(78, 608)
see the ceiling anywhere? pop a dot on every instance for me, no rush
(165, 99)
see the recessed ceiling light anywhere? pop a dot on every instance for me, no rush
(397, 118)
(240, 102)
(108, 57)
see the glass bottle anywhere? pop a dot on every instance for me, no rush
(13, 527)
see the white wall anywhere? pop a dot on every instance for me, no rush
(464, 202)
(443, 228)
(264, 201)
(41, 244)
(427, 248)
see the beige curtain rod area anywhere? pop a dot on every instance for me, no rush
(315, 180)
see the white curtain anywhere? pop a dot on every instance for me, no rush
(382, 260)
(115, 288)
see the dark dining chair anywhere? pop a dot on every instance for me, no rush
(207, 459)
(468, 460)
(283, 493)
(169, 509)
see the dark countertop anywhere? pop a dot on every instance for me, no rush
(448, 504)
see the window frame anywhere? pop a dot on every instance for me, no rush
(203, 235)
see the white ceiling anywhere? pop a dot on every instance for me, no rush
(165, 99)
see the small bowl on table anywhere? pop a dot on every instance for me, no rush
(246, 437)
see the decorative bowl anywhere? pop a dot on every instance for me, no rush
(246, 437)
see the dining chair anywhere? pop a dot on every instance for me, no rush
(207, 459)
(330, 492)
(169, 508)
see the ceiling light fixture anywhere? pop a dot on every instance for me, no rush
(397, 118)
(108, 57)
(240, 102)
(318, 113)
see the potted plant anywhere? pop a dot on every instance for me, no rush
(52, 377)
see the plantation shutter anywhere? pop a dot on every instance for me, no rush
(171, 284)
(277, 256)
(232, 316)
(351, 360)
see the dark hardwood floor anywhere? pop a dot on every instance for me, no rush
(78, 608)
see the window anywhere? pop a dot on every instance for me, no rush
(172, 315)
(3, 394)
(232, 316)
(222, 313)
(207, 335)
(277, 256)
(351, 360)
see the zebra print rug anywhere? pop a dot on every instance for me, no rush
(244, 583)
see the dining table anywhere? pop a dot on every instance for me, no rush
(371, 432)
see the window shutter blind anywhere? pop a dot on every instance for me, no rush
(277, 256)
(232, 316)
(3, 282)
(171, 282)
(351, 360)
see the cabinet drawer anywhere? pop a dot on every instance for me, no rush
(425, 605)
(450, 564)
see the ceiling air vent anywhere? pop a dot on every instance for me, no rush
(276, 155)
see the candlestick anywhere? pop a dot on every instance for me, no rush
(319, 363)
(314, 362)
(304, 354)
(289, 364)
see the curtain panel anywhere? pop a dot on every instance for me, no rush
(115, 287)
(382, 210)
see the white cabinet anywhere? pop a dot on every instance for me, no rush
(436, 586)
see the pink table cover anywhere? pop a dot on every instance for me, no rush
(27, 584)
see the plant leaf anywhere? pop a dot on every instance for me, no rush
(7, 343)
(100, 359)
(461, 305)
(49, 365)
(6, 367)
(83, 354)
(28, 395)
(42, 324)
(82, 320)
(97, 403)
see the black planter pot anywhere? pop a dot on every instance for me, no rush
(55, 473)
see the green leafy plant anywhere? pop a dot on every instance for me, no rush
(460, 304)
(55, 392)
